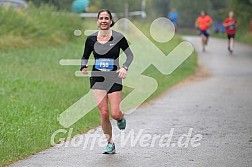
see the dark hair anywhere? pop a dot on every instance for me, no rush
(110, 16)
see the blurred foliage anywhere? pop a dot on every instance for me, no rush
(58, 4)
(188, 9)
(36, 26)
(242, 9)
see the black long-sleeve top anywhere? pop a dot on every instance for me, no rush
(110, 50)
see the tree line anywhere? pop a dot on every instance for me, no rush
(188, 9)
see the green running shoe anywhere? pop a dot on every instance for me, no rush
(109, 149)
(121, 124)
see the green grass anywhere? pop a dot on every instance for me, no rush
(36, 27)
(35, 89)
(241, 36)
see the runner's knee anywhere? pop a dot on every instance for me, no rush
(116, 114)
(104, 113)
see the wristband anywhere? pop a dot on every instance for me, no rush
(125, 67)
(85, 66)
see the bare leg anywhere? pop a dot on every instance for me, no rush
(203, 37)
(101, 98)
(232, 44)
(229, 44)
(115, 99)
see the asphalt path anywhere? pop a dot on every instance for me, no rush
(204, 121)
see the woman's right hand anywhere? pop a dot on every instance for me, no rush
(84, 71)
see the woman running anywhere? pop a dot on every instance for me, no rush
(106, 76)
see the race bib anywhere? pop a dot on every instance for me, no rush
(104, 64)
(232, 27)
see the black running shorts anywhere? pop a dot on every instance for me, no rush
(108, 81)
(230, 36)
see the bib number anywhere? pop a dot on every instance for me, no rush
(104, 64)
(232, 27)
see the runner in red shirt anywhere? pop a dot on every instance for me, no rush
(230, 23)
(203, 23)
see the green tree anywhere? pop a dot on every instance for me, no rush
(58, 4)
(189, 10)
(115, 7)
(242, 9)
(219, 9)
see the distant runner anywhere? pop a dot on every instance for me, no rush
(230, 23)
(173, 16)
(203, 23)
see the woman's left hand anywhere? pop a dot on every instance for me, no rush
(122, 73)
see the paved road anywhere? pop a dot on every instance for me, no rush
(215, 105)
